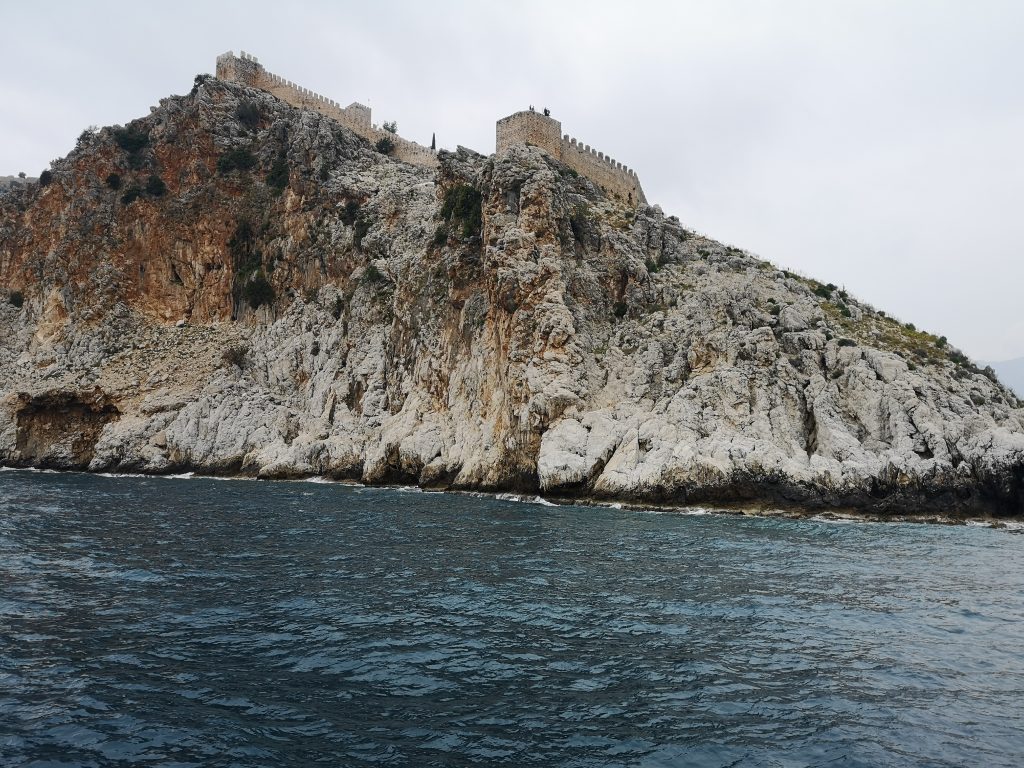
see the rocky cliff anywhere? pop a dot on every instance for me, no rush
(233, 285)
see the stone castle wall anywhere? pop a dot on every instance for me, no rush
(526, 127)
(534, 128)
(247, 70)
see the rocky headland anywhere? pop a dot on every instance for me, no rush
(233, 285)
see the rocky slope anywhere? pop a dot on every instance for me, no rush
(232, 285)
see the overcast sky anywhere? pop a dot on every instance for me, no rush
(876, 145)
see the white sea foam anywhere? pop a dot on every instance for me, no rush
(519, 498)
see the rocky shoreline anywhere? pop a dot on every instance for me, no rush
(835, 513)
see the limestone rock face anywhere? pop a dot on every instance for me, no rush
(295, 303)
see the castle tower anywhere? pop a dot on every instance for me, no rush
(545, 132)
(243, 69)
(529, 127)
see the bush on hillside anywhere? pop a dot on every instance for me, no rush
(278, 175)
(248, 113)
(463, 205)
(155, 186)
(131, 139)
(237, 159)
(133, 193)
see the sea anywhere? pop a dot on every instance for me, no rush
(198, 622)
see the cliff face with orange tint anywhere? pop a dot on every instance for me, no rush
(235, 285)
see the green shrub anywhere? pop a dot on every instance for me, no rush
(236, 355)
(45, 178)
(361, 228)
(258, 291)
(962, 360)
(619, 309)
(278, 175)
(910, 327)
(652, 266)
(131, 139)
(440, 235)
(823, 291)
(248, 113)
(372, 275)
(385, 145)
(391, 127)
(775, 309)
(463, 205)
(350, 213)
(847, 343)
(237, 159)
(198, 81)
(114, 181)
(155, 186)
(941, 342)
(845, 311)
(137, 160)
(16, 298)
(131, 194)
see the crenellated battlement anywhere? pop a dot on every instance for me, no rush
(543, 131)
(246, 69)
(527, 127)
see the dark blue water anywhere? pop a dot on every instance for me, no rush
(232, 623)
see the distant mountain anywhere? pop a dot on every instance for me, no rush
(1011, 373)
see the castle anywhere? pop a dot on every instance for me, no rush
(526, 127)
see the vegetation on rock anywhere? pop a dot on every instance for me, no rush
(463, 206)
(236, 159)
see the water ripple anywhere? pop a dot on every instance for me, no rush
(203, 623)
